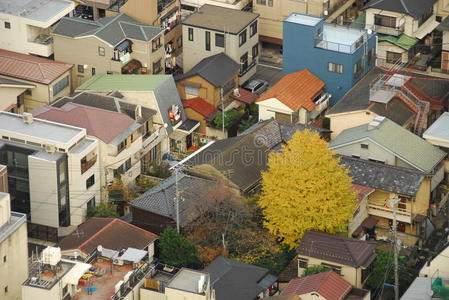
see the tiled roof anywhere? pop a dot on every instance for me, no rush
(31, 68)
(414, 8)
(396, 110)
(245, 96)
(296, 90)
(362, 191)
(110, 233)
(328, 284)
(403, 41)
(103, 124)
(200, 105)
(338, 249)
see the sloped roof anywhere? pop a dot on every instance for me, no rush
(217, 69)
(362, 191)
(403, 143)
(245, 96)
(414, 8)
(103, 124)
(338, 249)
(200, 105)
(236, 280)
(403, 41)
(396, 110)
(295, 90)
(112, 30)
(404, 181)
(111, 233)
(328, 284)
(31, 68)
(4, 82)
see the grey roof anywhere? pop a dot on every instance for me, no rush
(396, 110)
(217, 69)
(218, 18)
(420, 289)
(160, 199)
(414, 8)
(40, 10)
(236, 280)
(438, 132)
(393, 179)
(6, 81)
(109, 103)
(188, 280)
(112, 30)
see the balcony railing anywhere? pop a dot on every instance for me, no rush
(162, 4)
(88, 164)
(395, 31)
(403, 215)
(321, 105)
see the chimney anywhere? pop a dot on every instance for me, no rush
(5, 208)
(27, 118)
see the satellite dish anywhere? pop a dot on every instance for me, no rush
(100, 248)
(370, 31)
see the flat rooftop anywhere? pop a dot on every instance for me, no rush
(341, 38)
(12, 125)
(44, 277)
(187, 280)
(15, 221)
(303, 19)
(438, 132)
(39, 10)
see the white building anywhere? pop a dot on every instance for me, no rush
(26, 24)
(45, 163)
(190, 6)
(13, 250)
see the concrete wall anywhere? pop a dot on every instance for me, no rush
(358, 218)
(438, 266)
(14, 271)
(340, 122)
(8, 96)
(269, 107)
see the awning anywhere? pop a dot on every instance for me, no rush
(426, 28)
(132, 67)
(75, 273)
(188, 126)
(123, 45)
(267, 281)
(133, 255)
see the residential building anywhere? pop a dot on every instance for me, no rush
(42, 80)
(327, 286)
(338, 55)
(170, 283)
(110, 233)
(12, 93)
(298, 97)
(214, 29)
(13, 250)
(198, 109)
(190, 6)
(26, 25)
(411, 101)
(115, 45)
(272, 13)
(119, 138)
(160, 13)
(361, 224)
(350, 258)
(387, 183)
(423, 288)
(47, 174)
(444, 28)
(401, 25)
(157, 92)
(155, 210)
(4, 179)
(284, 297)
(436, 265)
(233, 279)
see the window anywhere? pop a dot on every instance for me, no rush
(335, 68)
(386, 21)
(4, 258)
(190, 34)
(90, 181)
(6, 289)
(358, 69)
(207, 40)
(364, 146)
(393, 57)
(219, 40)
(303, 263)
(179, 42)
(242, 38)
(101, 51)
(355, 156)
(371, 57)
(243, 63)
(255, 51)
(262, 2)
(91, 203)
(93, 71)
(157, 67)
(156, 44)
(80, 68)
(253, 29)
(121, 146)
(7, 25)
(282, 117)
(192, 90)
(65, 290)
(123, 168)
(60, 85)
(376, 160)
(336, 269)
(270, 3)
(109, 73)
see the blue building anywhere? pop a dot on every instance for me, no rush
(338, 55)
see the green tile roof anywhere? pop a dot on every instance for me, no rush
(403, 41)
(403, 143)
(126, 82)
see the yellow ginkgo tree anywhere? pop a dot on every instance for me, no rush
(305, 188)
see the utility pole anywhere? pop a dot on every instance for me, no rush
(394, 203)
(177, 199)
(222, 110)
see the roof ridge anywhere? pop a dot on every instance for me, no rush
(117, 220)
(97, 233)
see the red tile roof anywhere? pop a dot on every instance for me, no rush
(245, 96)
(296, 90)
(199, 105)
(110, 233)
(31, 68)
(328, 284)
(103, 124)
(362, 191)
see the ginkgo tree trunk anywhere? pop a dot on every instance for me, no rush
(305, 188)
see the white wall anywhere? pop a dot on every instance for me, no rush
(438, 266)
(267, 108)
(374, 151)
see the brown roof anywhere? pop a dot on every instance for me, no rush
(200, 105)
(245, 96)
(103, 124)
(328, 284)
(290, 271)
(362, 191)
(110, 233)
(32, 68)
(296, 90)
(338, 249)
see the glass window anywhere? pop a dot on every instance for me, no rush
(91, 203)
(157, 67)
(179, 42)
(80, 68)
(242, 38)
(253, 29)
(393, 57)
(93, 71)
(121, 146)
(335, 68)
(192, 90)
(101, 51)
(90, 181)
(219, 40)
(7, 25)
(336, 269)
(190, 34)
(156, 44)
(364, 146)
(243, 63)
(303, 263)
(255, 51)
(262, 2)
(60, 85)
(207, 40)
(386, 21)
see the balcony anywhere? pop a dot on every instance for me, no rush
(41, 45)
(86, 164)
(320, 106)
(395, 31)
(163, 4)
(402, 215)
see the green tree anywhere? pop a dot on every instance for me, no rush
(305, 188)
(230, 117)
(315, 270)
(177, 250)
(104, 210)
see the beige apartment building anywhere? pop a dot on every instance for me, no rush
(116, 45)
(13, 250)
(214, 30)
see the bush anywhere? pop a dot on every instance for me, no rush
(230, 117)
(315, 270)
(160, 170)
(104, 210)
(176, 250)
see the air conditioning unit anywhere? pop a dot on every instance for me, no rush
(117, 262)
(27, 118)
(50, 148)
(236, 92)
